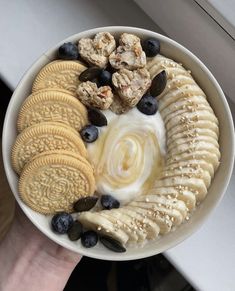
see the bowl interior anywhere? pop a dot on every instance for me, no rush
(218, 102)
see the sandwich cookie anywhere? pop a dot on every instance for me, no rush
(59, 75)
(52, 106)
(54, 181)
(42, 137)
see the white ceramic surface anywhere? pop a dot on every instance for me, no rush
(217, 100)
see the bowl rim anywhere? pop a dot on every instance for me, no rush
(197, 224)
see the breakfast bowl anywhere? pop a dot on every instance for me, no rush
(218, 103)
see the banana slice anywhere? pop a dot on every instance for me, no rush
(171, 71)
(134, 222)
(152, 229)
(124, 224)
(96, 222)
(202, 155)
(187, 109)
(183, 128)
(181, 83)
(192, 133)
(188, 104)
(189, 117)
(188, 140)
(165, 202)
(172, 214)
(196, 164)
(188, 197)
(194, 147)
(159, 63)
(197, 185)
(164, 224)
(184, 91)
(188, 172)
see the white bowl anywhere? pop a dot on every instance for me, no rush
(217, 100)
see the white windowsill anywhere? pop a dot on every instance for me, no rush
(223, 13)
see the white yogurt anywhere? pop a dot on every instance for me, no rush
(128, 154)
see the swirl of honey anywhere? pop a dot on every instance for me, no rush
(127, 158)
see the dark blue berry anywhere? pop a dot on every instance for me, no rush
(89, 239)
(105, 78)
(96, 117)
(68, 51)
(148, 105)
(109, 202)
(151, 47)
(89, 133)
(61, 222)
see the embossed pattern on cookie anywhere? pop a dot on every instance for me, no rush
(43, 137)
(74, 155)
(59, 75)
(52, 183)
(52, 106)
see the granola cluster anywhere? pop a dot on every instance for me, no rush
(130, 79)
(96, 51)
(131, 85)
(89, 94)
(129, 55)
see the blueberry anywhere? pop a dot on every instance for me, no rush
(89, 239)
(96, 117)
(89, 133)
(105, 78)
(61, 222)
(109, 202)
(75, 231)
(151, 47)
(148, 105)
(68, 51)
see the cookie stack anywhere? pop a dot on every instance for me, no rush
(49, 154)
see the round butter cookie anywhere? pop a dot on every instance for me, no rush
(59, 75)
(52, 106)
(54, 182)
(54, 90)
(42, 137)
(64, 152)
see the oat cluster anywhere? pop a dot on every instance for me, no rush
(131, 79)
